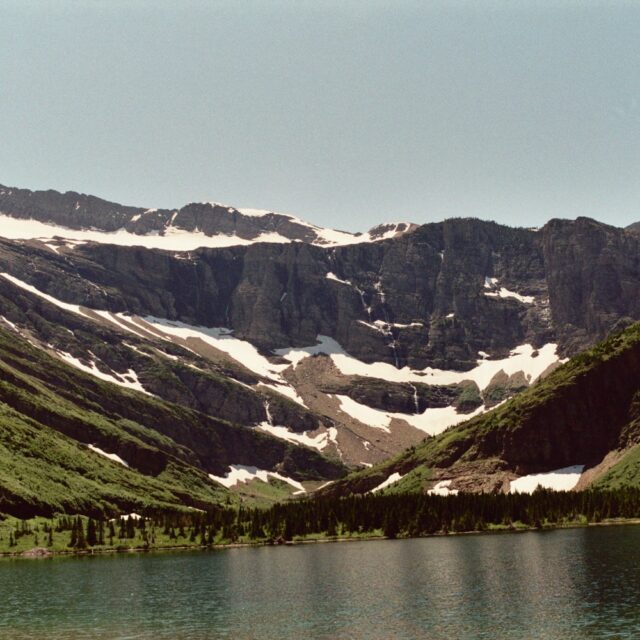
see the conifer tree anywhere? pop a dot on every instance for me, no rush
(92, 537)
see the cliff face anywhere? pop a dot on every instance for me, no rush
(418, 300)
(593, 273)
(417, 330)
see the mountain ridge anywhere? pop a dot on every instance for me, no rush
(73, 211)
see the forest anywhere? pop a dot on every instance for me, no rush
(390, 516)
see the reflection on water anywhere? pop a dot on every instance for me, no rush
(580, 583)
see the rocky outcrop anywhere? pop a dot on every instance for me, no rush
(503, 387)
(399, 397)
(593, 271)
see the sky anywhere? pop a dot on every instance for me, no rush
(345, 113)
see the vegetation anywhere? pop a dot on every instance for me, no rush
(392, 516)
(50, 412)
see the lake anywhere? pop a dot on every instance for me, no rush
(572, 583)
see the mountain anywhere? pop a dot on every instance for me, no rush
(578, 427)
(350, 346)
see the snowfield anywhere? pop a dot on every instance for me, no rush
(431, 421)
(563, 479)
(520, 359)
(442, 489)
(173, 238)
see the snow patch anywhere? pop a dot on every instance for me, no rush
(223, 340)
(334, 277)
(243, 473)
(367, 415)
(392, 479)
(128, 380)
(442, 489)
(319, 442)
(112, 456)
(520, 359)
(326, 345)
(284, 390)
(432, 420)
(503, 292)
(563, 479)
(10, 324)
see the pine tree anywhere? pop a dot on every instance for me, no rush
(92, 538)
(131, 531)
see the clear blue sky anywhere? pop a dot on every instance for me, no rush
(344, 113)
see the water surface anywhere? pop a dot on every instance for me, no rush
(578, 583)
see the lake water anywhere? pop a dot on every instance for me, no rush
(579, 583)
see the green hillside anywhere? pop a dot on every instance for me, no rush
(50, 413)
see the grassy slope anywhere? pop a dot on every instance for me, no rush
(482, 437)
(50, 411)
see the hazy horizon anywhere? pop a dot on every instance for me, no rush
(343, 114)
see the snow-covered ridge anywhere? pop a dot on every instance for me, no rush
(175, 238)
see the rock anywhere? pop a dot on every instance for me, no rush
(36, 552)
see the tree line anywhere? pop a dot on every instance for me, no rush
(399, 515)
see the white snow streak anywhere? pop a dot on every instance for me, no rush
(503, 292)
(392, 479)
(74, 308)
(128, 380)
(243, 473)
(319, 442)
(112, 456)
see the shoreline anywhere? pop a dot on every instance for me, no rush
(43, 552)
